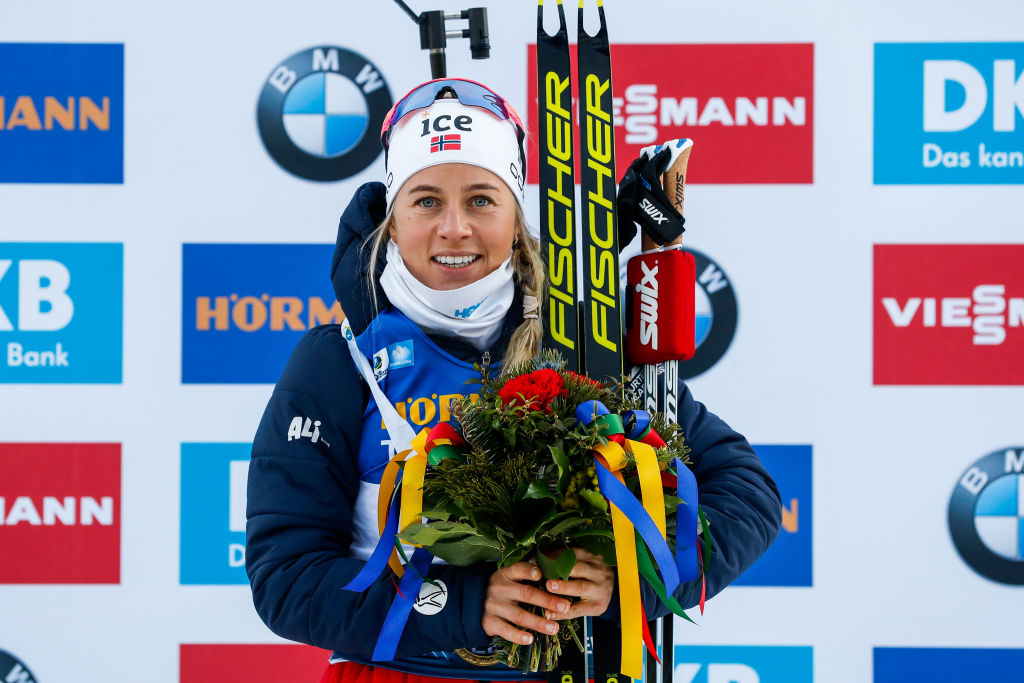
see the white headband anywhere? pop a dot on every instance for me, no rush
(449, 132)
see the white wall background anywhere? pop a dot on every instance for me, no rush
(799, 370)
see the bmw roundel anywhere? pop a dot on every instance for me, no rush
(716, 316)
(986, 516)
(319, 113)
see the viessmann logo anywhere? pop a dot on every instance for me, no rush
(60, 313)
(948, 314)
(245, 306)
(61, 113)
(60, 509)
(754, 125)
(949, 113)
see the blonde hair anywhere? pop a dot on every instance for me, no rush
(529, 274)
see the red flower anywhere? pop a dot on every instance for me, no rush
(540, 386)
(583, 379)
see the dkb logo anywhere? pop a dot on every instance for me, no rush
(213, 482)
(60, 313)
(949, 113)
(727, 664)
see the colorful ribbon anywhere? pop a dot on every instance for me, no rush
(630, 519)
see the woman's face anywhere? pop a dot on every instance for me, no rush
(454, 224)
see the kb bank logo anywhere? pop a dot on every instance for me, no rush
(949, 113)
(60, 313)
(986, 516)
(790, 560)
(245, 306)
(213, 483)
(318, 110)
(60, 513)
(753, 125)
(735, 664)
(61, 113)
(949, 314)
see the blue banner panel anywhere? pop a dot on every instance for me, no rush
(740, 664)
(246, 306)
(939, 665)
(949, 113)
(61, 113)
(61, 312)
(790, 560)
(213, 483)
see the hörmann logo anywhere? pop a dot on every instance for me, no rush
(245, 306)
(754, 125)
(949, 113)
(60, 313)
(949, 314)
(60, 507)
(61, 113)
(946, 665)
(317, 113)
(214, 477)
(790, 560)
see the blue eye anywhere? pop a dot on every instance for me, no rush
(481, 201)
(427, 202)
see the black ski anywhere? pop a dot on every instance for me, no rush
(558, 243)
(602, 304)
(557, 177)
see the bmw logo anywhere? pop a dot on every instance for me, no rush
(986, 516)
(716, 314)
(319, 111)
(12, 669)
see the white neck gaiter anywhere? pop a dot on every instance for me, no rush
(474, 312)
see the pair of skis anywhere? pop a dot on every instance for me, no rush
(589, 335)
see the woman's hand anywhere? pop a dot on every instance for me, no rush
(591, 581)
(503, 613)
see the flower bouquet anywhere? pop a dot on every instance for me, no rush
(546, 460)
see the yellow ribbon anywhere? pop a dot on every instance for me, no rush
(412, 491)
(613, 456)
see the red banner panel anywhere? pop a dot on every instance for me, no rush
(60, 513)
(252, 663)
(748, 108)
(949, 314)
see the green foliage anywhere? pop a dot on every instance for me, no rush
(527, 486)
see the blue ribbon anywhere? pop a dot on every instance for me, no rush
(398, 615)
(687, 558)
(622, 498)
(643, 421)
(379, 558)
(588, 411)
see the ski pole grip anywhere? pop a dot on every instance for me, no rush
(673, 181)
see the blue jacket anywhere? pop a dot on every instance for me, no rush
(301, 495)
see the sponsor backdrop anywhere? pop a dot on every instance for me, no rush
(171, 178)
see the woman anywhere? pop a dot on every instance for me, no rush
(459, 277)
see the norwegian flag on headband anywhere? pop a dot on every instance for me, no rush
(440, 143)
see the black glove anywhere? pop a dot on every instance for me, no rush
(642, 200)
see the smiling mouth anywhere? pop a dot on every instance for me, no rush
(456, 261)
